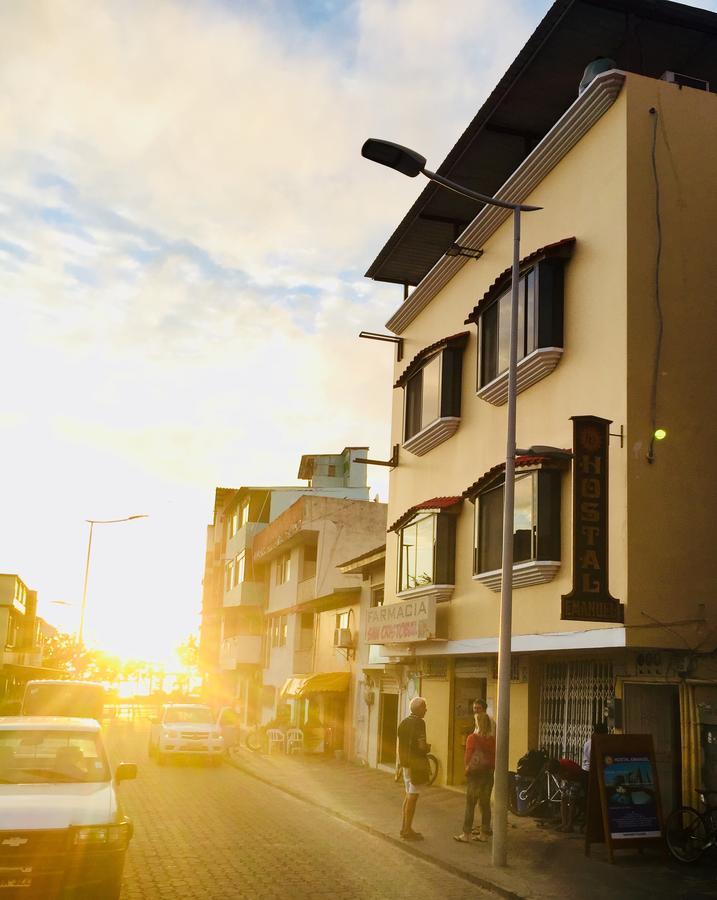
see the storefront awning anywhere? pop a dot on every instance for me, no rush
(320, 683)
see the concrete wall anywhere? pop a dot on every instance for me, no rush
(584, 197)
(670, 534)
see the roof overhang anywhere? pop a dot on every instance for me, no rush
(643, 36)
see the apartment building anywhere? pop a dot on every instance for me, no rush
(313, 615)
(614, 606)
(234, 588)
(22, 635)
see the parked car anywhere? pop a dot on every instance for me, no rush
(186, 729)
(81, 699)
(62, 829)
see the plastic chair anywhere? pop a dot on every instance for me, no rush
(275, 740)
(294, 740)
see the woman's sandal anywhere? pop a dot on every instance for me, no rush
(461, 839)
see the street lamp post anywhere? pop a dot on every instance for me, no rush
(410, 163)
(92, 523)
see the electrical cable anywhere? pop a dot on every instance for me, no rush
(658, 302)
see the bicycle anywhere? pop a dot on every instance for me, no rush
(433, 767)
(544, 789)
(689, 832)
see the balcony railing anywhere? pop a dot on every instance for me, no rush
(246, 593)
(242, 649)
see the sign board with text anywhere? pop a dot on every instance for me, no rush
(590, 598)
(623, 808)
(406, 622)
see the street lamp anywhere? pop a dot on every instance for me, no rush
(411, 163)
(92, 523)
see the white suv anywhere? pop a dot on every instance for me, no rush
(186, 729)
(62, 831)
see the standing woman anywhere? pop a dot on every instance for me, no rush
(479, 768)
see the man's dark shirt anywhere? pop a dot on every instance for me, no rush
(411, 739)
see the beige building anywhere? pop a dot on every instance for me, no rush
(22, 635)
(234, 587)
(313, 615)
(614, 606)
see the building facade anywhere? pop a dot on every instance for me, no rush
(235, 586)
(614, 608)
(22, 635)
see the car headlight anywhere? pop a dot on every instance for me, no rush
(110, 836)
(171, 734)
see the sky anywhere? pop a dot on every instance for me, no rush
(185, 220)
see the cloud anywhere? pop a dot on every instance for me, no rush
(184, 222)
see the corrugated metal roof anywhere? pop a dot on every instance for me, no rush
(643, 36)
(455, 340)
(435, 503)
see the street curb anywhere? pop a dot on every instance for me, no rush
(411, 849)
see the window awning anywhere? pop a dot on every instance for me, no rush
(320, 683)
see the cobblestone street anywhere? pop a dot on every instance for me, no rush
(205, 833)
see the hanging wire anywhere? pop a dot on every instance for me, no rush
(658, 301)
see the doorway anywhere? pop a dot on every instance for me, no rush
(387, 728)
(466, 690)
(655, 709)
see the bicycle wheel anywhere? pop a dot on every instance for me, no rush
(687, 834)
(432, 768)
(530, 799)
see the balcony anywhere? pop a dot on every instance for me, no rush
(307, 590)
(246, 593)
(29, 657)
(242, 650)
(244, 538)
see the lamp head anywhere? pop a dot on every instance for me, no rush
(395, 156)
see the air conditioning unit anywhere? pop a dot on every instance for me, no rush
(343, 638)
(698, 84)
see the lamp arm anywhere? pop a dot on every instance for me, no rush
(474, 195)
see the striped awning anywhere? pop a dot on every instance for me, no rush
(320, 683)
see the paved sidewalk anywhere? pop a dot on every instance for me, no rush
(542, 863)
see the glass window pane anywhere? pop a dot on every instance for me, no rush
(490, 529)
(531, 337)
(431, 399)
(412, 424)
(489, 345)
(417, 553)
(503, 332)
(524, 530)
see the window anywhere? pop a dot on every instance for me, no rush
(377, 596)
(495, 329)
(423, 393)
(540, 323)
(283, 568)
(432, 394)
(279, 631)
(239, 568)
(426, 551)
(342, 620)
(536, 527)
(244, 513)
(229, 575)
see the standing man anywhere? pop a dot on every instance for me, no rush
(412, 751)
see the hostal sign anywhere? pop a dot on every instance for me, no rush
(590, 598)
(402, 623)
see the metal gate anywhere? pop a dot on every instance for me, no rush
(573, 696)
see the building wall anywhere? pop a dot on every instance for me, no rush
(590, 378)
(672, 501)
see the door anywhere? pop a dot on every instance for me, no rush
(465, 691)
(388, 726)
(655, 709)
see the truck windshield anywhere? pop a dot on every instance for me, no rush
(195, 715)
(29, 756)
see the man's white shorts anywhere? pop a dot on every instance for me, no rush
(410, 786)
